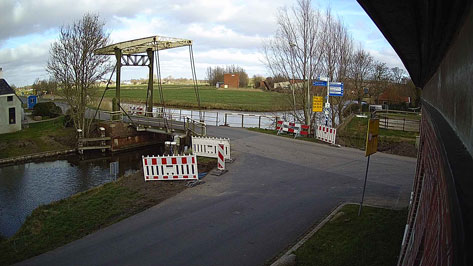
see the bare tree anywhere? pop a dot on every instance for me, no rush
(361, 68)
(295, 51)
(337, 57)
(73, 64)
(380, 79)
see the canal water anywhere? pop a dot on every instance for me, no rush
(26, 186)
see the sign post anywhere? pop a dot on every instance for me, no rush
(371, 148)
(333, 89)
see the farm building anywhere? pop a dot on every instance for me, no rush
(231, 80)
(10, 108)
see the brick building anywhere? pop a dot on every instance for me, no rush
(231, 80)
(438, 55)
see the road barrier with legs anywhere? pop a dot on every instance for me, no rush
(326, 134)
(180, 167)
(208, 147)
(293, 128)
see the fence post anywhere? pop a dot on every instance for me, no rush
(180, 113)
(276, 126)
(403, 123)
(259, 122)
(242, 117)
(225, 120)
(216, 121)
(191, 115)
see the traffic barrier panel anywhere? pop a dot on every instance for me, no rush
(221, 158)
(293, 128)
(208, 147)
(326, 134)
(179, 167)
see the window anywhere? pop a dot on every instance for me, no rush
(11, 116)
(9, 98)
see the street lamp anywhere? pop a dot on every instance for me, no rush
(307, 118)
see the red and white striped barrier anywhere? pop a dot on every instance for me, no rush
(221, 158)
(294, 128)
(180, 167)
(136, 110)
(208, 147)
(326, 134)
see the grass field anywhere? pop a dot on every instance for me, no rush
(374, 238)
(39, 137)
(210, 97)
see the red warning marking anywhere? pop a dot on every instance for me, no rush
(174, 160)
(163, 161)
(184, 160)
(154, 161)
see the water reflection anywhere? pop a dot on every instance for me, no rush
(27, 186)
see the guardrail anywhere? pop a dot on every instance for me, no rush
(399, 120)
(196, 127)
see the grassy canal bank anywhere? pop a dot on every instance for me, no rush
(56, 224)
(38, 137)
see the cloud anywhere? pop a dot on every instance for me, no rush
(224, 31)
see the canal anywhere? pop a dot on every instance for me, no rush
(26, 186)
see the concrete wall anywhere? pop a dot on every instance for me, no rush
(451, 88)
(5, 126)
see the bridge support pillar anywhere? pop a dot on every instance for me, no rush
(118, 56)
(149, 100)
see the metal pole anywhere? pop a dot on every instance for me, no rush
(216, 121)
(180, 114)
(364, 186)
(259, 122)
(308, 91)
(242, 117)
(328, 97)
(225, 119)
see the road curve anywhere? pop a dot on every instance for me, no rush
(274, 191)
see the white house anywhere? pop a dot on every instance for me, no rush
(10, 108)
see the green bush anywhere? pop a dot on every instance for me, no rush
(47, 109)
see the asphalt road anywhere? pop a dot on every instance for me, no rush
(275, 191)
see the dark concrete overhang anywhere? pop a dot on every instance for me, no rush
(420, 31)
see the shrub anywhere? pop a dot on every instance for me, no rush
(47, 109)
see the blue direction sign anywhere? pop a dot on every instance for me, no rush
(336, 89)
(336, 84)
(320, 83)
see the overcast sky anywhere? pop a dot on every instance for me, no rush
(224, 32)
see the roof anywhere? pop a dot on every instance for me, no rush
(141, 45)
(5, 88)
(419, 31)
